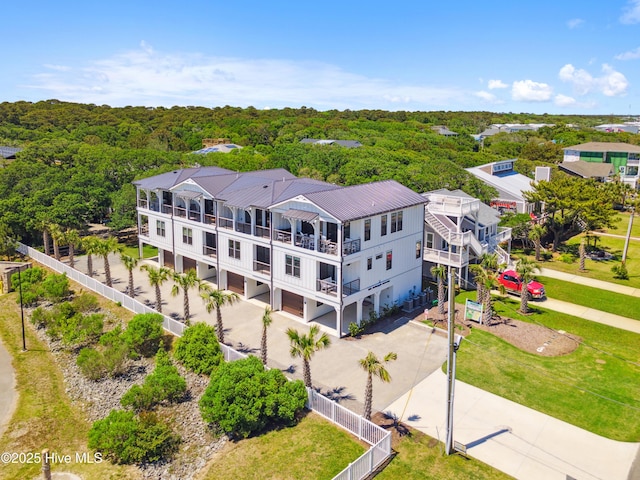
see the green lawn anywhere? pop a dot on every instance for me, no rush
(419, 456)
(623, 225)
(607, 301)
(313, 449)
(596, 387)
(147, 251)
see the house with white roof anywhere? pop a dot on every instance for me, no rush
(510, 185)
(459, 229)
(623, 157)
(320, 252)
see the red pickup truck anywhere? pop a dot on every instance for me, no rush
(512, 283)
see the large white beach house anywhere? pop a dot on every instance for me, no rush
(321, 252)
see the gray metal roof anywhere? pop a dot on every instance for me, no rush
(8, 152)
(605, 147)
(342, 143)
(588, 169)
(165, 181)
(303, 215)
(360, 201)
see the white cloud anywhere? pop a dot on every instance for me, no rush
(611, 83)
(630, 55)
(564, 101)
(148, 77)
(575, 22)
(59, 68)
(497, 84)
(631, 13)
(488, 97)
(530, 91)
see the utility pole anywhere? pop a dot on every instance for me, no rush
(24, 342)
(450, 361)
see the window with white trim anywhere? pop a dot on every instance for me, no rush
(292, 266)
(234, 249)
(187, 235)
(160, 228)
(396, 221)
(389, 259)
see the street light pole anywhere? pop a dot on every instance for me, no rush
(24, 342)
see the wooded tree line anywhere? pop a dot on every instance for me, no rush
(78, 161)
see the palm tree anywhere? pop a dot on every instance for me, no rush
(440, 272)
(90, 246)
(43, 225)
(216, 299)
(266, 321)
(304, 346)
(535, 234)
(185, 282)
(72, 237)
(157, 276)
(583, 255)
(525, 269)
(129, 263)
(374, 367)
(57, 236)
(485, 280)
(105, 247)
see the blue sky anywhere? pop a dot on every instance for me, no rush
(560, 56)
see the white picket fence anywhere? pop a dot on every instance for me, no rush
(377, 437)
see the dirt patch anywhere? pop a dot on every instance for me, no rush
(529, 337)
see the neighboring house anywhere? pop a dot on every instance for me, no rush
(9, 153)
(442, 130)
(509, 184)
(321, 252)
(342, 143)
(221, 148)
(624, 158)
(459, 229)
(496, 128)
(599, 171)
(629, 127)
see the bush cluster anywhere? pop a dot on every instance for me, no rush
(164, 384)
(126, 438)
(37, 284)
(198, 349)
(243, 398)
(143, 334)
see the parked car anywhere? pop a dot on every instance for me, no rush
(512, 283)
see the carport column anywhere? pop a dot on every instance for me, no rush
(376, 302)
(339, 317)
(359, 311)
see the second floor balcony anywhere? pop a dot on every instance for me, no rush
(209, 251)
(445, 257)
(330, 287)
(262, 267)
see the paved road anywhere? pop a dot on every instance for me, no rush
(8, 395)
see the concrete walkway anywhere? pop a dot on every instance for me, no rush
(599, 316)
(590, 282)
(517, 440)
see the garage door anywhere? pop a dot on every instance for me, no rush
(168, 259)
(235, 283)
(292, 303)
(188, 264)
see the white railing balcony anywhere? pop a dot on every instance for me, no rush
(444, 257)
(143, 231)
(195, 216)
(263, 232)
(455, 206)
(327, 285)
(351, 246)
(179, 212)
(225, 223)
(283, 236)
(459, 238)
(209, 219)
(167, 209)
(261, 267)
(143, 203)
(504, 234)
(209, 251)
(243, 227)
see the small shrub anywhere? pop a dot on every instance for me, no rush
(41, 318)
(355, 329)
(91, 364)
(127, 439)
(567, 257)
(85, 302)
(78, 329)
(620, 272)
(198, 349)
(112, 337)
(243, 397)
(164, 384)
(55, 287)
(143, 334)
(116, 359)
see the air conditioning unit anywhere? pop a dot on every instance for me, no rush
(623, 170)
